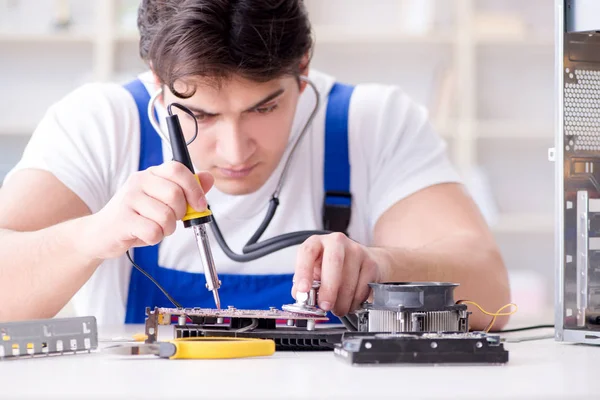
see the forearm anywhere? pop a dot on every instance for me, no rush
(41, 270)
(477, 267)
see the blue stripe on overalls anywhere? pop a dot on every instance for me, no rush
(241, 291)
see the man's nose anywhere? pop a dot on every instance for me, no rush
(233, 146)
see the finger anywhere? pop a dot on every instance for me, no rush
(368, 274)
(351, 271)
(316, 275)
(308, 253)
(138, 243)
(149, 232)
(178, 173)
(207, 180)
(167, 192)
(156, 211)
(331, 269)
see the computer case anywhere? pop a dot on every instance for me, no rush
(577, 161)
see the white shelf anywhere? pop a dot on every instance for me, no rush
(514, 40)
(341, 35)
(445, 129)
(500, 129)
(524, 223)
(127, 37)
(507, 129)
(54, 37)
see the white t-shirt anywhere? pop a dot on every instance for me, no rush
(90, 141)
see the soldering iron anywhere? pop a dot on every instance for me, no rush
(197, 220)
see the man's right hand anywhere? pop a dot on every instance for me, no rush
(145, 210)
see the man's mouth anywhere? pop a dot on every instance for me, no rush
(236, 172)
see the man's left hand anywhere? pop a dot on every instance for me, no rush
(344, 267)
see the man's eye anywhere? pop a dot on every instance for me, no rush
(202, 117)
(266, 110)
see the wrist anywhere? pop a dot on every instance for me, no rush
(84, 239)
(384, 260)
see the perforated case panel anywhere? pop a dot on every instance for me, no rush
(582, 110)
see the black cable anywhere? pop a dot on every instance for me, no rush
(292, 238)
(187, 111)
(257, 250)
(147, 275)
(273, 204)
(350, 322)
(525, 328)
(253, 250)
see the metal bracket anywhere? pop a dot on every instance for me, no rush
(46, 337)
(582, 255)
(152, 324)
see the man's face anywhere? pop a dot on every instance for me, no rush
(243, 128)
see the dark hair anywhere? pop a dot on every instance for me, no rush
(258, 40)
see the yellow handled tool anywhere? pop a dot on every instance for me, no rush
(200, 348)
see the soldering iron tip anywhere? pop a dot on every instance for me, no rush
(217, 300)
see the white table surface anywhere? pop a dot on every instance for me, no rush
(542, 369)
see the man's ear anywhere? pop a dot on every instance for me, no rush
(157, 86)
(156, 80)
(304, 67)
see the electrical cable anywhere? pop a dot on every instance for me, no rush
(163, 290)
(499, 314)
(494, 315)
(249, 327)
(301, 135)
(348, 323)
(527, 339)
(190, 113)
(253, 250)
(511, 339)
(147, 275)
(525, 328)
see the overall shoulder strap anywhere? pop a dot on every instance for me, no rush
(337, 203)
(141, 292)
(150, 144)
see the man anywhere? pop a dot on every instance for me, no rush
(95, 180)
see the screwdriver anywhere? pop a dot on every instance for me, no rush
(197, 220)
